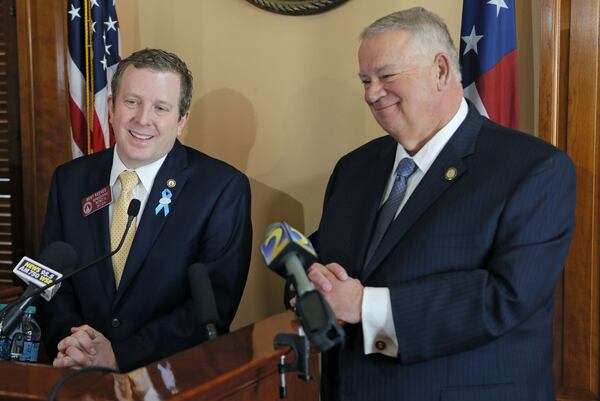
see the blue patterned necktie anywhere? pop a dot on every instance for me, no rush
(388, 211)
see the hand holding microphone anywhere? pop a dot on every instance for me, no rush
(288, 253)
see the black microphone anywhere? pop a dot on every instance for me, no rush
(205, 306)
(288, 253)
(60, 256)
(26, 298)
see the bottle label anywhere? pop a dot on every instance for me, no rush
(30, 351)
(16, 348)
(4, 348)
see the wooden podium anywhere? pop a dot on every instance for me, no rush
(242, 365)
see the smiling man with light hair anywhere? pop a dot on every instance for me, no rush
(137, 307)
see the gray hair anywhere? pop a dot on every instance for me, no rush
(158, 60)
(429, 32)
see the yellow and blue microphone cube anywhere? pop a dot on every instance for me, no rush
(283, 240)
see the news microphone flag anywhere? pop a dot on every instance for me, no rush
(36, 273)
(280, 241)
(93, 35)
(488, 58)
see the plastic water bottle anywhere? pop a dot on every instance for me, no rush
(32, 335)
(16, 347)
(4, 342)
(4, 347)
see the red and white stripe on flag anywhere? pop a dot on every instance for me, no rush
(489, 59)
(94, 43)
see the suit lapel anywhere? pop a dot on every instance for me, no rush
(152, 223)
(373, 182)
(98, 222)
(431, 187)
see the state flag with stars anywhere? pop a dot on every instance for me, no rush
(93, 35)
(488, 58)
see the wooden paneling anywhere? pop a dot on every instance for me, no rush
(11, 235)
(41, 32)
(569, 84)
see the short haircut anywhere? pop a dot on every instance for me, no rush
(158, 60)
(429, 32)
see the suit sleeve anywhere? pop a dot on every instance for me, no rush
(453, 312)
(225, 248)
(64, 312)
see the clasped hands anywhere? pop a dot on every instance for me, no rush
(343, 293)
(85, 347)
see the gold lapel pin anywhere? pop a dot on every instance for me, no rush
(171, 183)
(451, 173)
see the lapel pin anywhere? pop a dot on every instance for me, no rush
(451, 173)
(163, 203)
(171, 183)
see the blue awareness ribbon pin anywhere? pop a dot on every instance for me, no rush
(163, 203)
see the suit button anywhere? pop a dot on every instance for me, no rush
(380, 345)
(115, 322)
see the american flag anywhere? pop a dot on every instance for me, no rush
(93, 58)
(488, 57)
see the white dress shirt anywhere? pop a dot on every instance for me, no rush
(146, 174)
(378, 328)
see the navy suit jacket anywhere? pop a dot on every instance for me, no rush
(150, 316)
(471, 264)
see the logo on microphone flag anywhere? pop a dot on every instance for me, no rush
(279, 237)
(33, 272)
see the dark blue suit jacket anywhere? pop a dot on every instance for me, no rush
(150, 316)
(471, 264)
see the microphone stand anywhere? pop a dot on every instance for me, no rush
(7, 321)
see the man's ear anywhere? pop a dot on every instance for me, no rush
(181, 123)
(443, 70)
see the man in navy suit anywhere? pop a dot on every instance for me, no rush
(441, 243)
(194, 209)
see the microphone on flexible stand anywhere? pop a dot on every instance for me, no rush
(14, 310)
(62, 257)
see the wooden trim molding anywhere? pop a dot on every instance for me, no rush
(41, 36)
(569, 106)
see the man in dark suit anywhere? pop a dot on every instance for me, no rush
(441, 243)
(137, 308)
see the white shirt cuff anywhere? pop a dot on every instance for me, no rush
(379, 333)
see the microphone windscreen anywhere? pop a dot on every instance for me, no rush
(283, 240)
(202, 294)
(59, 256)
(134, 207)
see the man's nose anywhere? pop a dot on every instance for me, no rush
(143, 115)
(373, 92)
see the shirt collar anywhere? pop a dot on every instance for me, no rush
(146, 173)
(425, 157)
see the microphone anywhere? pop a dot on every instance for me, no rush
(288, 253)
(203, 296)
(37, 274)
(59, 255)
(27, 297)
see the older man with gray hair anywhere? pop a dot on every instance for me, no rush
(441, 242)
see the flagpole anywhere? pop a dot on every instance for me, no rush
(88, 75)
